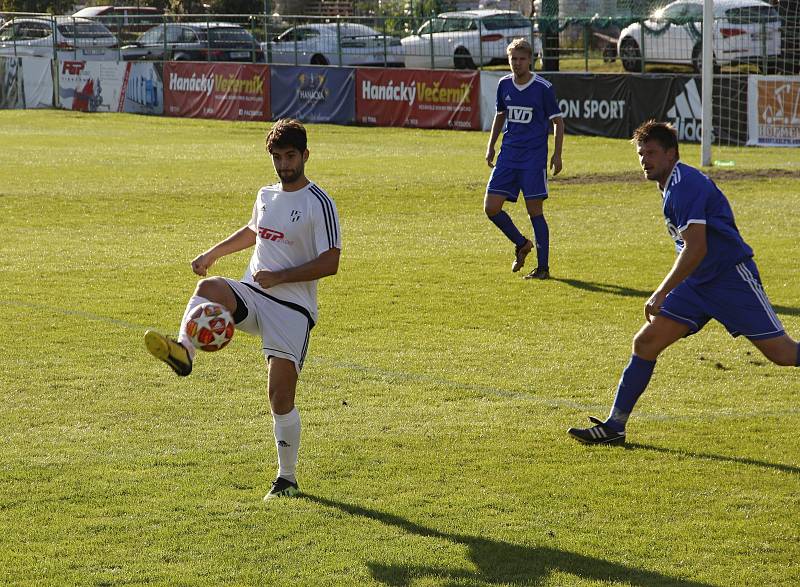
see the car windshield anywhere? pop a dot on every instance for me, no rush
(752, 14)
(505, 21)
(84, 30)
(230, 35)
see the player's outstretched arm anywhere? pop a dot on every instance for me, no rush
(324, 265)
(243, 238)
(693, 253)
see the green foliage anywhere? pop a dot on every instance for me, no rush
(438, 385)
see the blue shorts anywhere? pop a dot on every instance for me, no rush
(735, 298)
(508, 182)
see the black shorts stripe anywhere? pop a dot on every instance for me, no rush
(330, 218)
(292, 305)
(305, 348)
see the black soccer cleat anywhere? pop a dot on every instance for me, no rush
(539, 273)
(520, 253)
(169, 350)
(600, 433)
(282, 488)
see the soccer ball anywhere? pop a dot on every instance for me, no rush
(210, 327)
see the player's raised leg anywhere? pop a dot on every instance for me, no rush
(178, 353)
(648, 343)
(286, 425)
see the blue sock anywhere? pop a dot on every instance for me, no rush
(542, 235)
(503, 222)
(632, 384)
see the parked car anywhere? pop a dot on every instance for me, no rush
(318, 44)
(469, 38)
(124, 21)
(72, 38)
(201, 41)
(744, 31)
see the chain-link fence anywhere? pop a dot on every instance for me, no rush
(749, 36)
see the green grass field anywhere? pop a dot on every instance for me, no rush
(438, 386)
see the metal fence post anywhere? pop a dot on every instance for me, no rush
(295, 41)
(430, 34)
(644, 34)
(385, 46)
(339, 39)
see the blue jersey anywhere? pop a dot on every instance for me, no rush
(691, 197)
(529, 112)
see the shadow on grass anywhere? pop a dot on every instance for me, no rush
(619, 290)
(699, 455)
(498, 562)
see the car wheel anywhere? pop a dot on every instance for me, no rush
(697, 60)
(462, 59)
(630, 55)
(318, 60)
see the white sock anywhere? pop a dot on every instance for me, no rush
(183, 338)
(287, 441)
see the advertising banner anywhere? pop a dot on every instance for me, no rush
(593, 104)
(37, 79)
(143, 88)
(489, 81)
(11, 94)
(773, 110)
(227, 91)
(418, 98)
(91, 86)
(313, 94)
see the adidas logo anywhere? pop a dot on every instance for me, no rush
(283, 444)
(686, 114)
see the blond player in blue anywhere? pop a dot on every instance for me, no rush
(714, 276)
(294, 234)
(527, 107)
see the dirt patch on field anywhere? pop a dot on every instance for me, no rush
(717, 174)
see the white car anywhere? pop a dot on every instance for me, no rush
(76, 39)
(467, 39)
(744, 31)
(319, 44)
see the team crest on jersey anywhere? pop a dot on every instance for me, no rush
(295, 215)
(520, 114)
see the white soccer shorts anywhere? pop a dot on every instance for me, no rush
(284, 328)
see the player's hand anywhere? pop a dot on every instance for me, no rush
(202, 263)
(555, 164)
(653, 306)
(490, 156)
(267, 279)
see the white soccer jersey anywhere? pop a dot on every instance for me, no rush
(292, 228)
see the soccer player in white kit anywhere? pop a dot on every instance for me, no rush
(295, 230)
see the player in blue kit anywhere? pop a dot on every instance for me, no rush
(526, 104)
(714, 276)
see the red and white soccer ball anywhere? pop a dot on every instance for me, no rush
(210, 327)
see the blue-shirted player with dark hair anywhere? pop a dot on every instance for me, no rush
(714, 276)
(526, 104)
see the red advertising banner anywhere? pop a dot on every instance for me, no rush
(228, 91)
(419, 98)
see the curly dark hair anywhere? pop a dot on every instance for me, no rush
(662, 133)
(287, 132)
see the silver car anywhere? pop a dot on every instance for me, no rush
(744, 31)
(467, 39)
(344, 43)
(78, 39)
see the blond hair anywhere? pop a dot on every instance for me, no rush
(520, 45)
